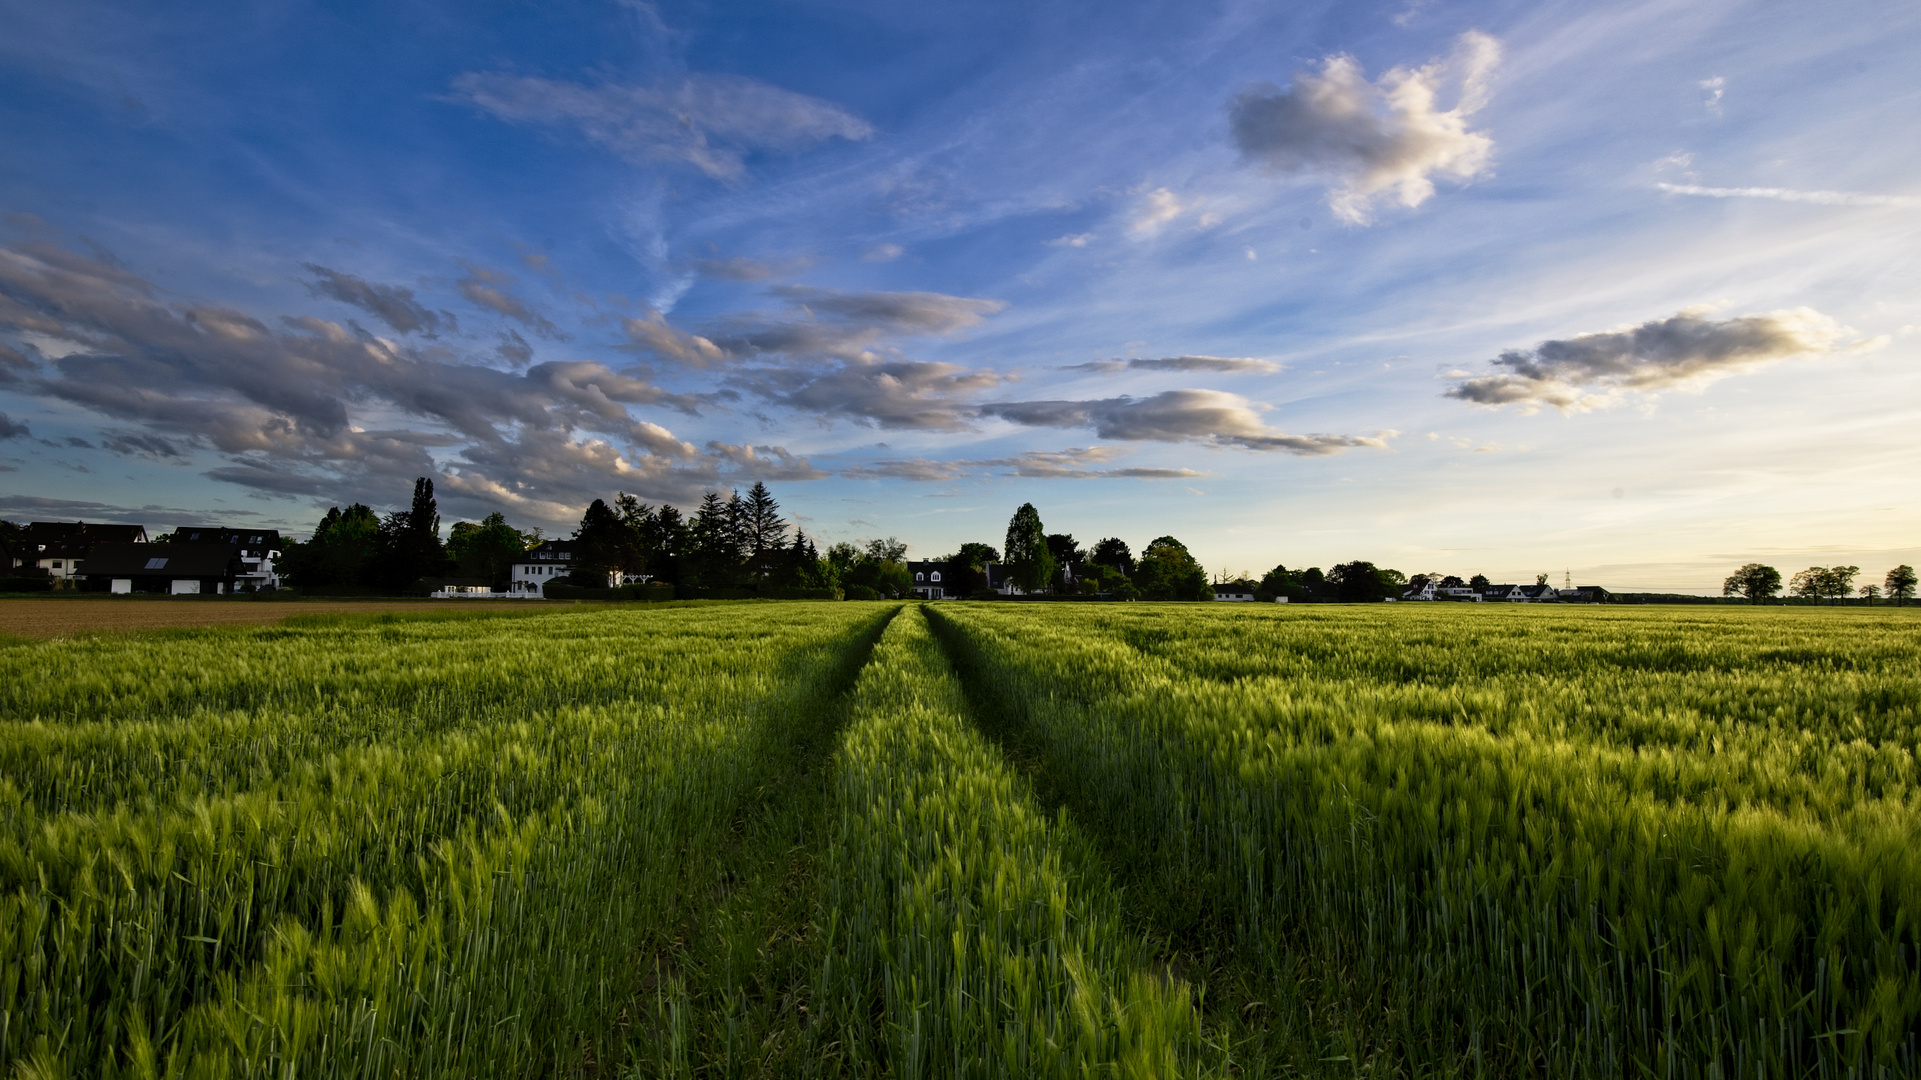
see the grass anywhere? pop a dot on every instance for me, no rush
(792, 839)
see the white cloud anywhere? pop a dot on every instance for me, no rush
(1157, 209)
(1715, 88)
(711, 122)
(1077, 240)
(1181, 363)
(1822, 198)
(882, 253)
(1685, 351)
(1373, 138)
(1073, 463)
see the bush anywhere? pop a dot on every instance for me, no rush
(861, 592)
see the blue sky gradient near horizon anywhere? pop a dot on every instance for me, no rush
(1626, 291)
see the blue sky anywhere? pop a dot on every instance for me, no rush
(1628, 291)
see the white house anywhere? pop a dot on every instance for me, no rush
(59, 547)
(1239, 591)
(932, 580)
(552, 560)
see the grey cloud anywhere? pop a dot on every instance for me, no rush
(765, 462)
(84, 510)
(711, 122)
(898, 394)
(1819, 198)
(514, 349)
(1371, 138)
(896, 312)
(1074, 463)
(1180, 363)
(391, 304)
(824, 323)
(484, 288)
(137, 444)
(275, 398)
(1684, 351)
(1206, 416)
(11, 429)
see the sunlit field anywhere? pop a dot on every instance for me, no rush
(981, 840)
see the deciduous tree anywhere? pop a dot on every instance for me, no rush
(1029, 563)
(1900, 584)
(1755, 581)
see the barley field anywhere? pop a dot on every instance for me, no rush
(968, 840)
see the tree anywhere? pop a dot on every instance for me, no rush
(486, 550)
(888, 550)
(340, 552)
(409, 541)
(1029, 563)
(1838, 581)
(1870, 591)
(603, 546)
(1754, 581)
(1168, 572)
(1393, 581)
(1807, 584)
(664, 543)
(969, 566)
(1900, 584)
(716, 552)
(1112, 551)
(1453, 581)
(763, 533)
(1278, 582)
(1478, 582)
(1540, 579)
(1357, 582)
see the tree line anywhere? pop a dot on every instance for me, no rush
(737, 540)
(1760, 583)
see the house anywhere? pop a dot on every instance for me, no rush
(255, 548)
(469, 589)
(1585, 594)
(173, 569)
(1538, 594)
(1433, 590)
(59, 547)
(1240, 591)
(552, 560)
(936, 581)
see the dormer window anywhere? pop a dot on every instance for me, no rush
(935, 577)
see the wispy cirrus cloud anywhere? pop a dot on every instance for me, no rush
(1228, 364)
(1821, 198)
(1685, 351)
(711, 122)
(1204, 416)
(1372, 138)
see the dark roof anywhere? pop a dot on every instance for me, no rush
(79, 534)
(1234, 586)
(159, 561)
(918, 566)
(217, 534)
(549, 551)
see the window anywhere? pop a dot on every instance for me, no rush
(195, 536)
(917, 577)
(56, 564)
(156, 564)
(935, 577)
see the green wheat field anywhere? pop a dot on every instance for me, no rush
(968, 840)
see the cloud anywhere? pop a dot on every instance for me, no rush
(483, 288)
(1823, 198)
(891, 394)
(765, 462)
(1074, 463)
(880, 253)
(1373, 138)
(11, 429)
(280, 400)
(514, 349)
(1159, 207)
(711, 122)
(1715, 88)
(42, 508)
(391, 304)
(137, 444)
(741, 268)
(1205, 416)
(1685, 351)
(1180, 363)
(1076, 240)
(819, 323)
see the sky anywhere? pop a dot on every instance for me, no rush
(1625, 293)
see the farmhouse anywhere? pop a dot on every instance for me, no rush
(936, 581)
(255, 548)
(58, 547)
(175, 569)
(1239, 591)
